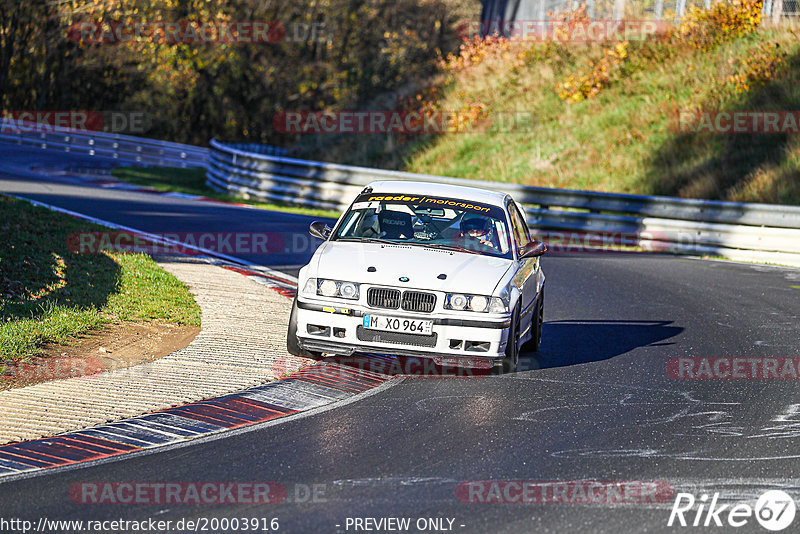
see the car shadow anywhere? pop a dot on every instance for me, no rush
(565, 343)
(573, 342)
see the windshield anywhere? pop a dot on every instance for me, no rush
(437, 222)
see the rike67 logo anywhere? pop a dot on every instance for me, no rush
(774, 511)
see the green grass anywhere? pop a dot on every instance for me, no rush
(145, 291)
(193, 182)
(50, 294)
(619, 141)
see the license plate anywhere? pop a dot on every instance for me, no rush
(398, 324)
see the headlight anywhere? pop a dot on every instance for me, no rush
(456, 302)
(311, 287)
(498, 305)
(348, 290)
(327, 288)
(336, 288)
(475, 303)
(479, 303)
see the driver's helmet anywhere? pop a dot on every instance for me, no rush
(475, 225)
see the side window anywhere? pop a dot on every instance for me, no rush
(521, 233)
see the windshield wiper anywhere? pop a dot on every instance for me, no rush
(449, 247)
(443, 246)
(371, 240)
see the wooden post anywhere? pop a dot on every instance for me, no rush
(680, 8)
(767, 10)
(777, 11)
(542, 18)
(619, 9)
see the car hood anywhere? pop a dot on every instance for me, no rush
(465, 273)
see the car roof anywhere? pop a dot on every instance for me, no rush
(475, 194)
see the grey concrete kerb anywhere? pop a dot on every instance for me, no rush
(242, 343)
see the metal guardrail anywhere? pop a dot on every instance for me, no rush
(566, 219)
(123, 148)
(259, 148)
(752, 232)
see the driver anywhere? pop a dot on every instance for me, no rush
(477, 229)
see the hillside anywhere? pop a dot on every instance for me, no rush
(604, 116)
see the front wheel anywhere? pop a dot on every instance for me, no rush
(292, 345)
(509, 362)
(537, 321)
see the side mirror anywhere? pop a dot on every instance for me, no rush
(532, 250)
(320, 230)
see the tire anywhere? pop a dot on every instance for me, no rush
(292, 345)
(533, 344)
(509, 362)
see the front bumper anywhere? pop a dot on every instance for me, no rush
(337, 329)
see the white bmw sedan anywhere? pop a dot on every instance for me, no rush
(425, 270)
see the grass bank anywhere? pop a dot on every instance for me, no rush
(625, 138)
(50, 294)
(604, 116)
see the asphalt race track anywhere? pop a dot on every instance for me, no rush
(597, 403)
(287, 239)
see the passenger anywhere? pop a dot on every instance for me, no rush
(476, 230)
